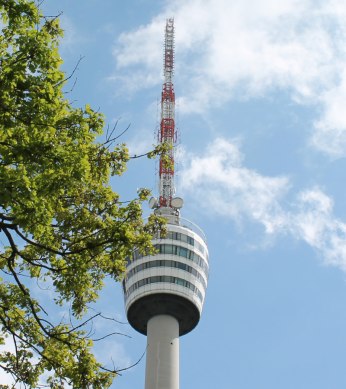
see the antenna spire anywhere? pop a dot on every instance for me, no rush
(167, 132)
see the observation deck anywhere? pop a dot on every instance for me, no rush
(171, 282)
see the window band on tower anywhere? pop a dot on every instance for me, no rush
(187, 239)
(166, 279)
(179, 251)
(169, 264)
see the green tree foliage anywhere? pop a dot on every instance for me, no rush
(60, 220)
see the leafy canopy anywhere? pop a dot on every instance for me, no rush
(60, 221)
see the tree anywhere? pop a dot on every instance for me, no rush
(60, 220)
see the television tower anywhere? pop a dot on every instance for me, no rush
(164, 293)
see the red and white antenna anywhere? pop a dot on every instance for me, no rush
(167, 126)
(167, 204)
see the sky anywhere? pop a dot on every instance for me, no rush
(260, 91)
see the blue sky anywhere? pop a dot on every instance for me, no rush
(260, 88)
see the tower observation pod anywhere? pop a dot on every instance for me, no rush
(164, 293)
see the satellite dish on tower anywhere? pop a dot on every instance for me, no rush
(177, 202)
(153, 202)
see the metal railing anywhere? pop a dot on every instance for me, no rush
(193, 227)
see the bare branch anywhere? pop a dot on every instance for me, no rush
(125, 368)
(73, 72)
(111, 334)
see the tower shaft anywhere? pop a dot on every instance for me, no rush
(162, 364)
(167, 133)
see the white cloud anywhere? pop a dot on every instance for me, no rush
(220, 183)
(245, 48)
(315, 223)
(331, 127)
(141, 47)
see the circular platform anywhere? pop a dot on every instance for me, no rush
(148, 306)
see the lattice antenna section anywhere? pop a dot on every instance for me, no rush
(167, 134)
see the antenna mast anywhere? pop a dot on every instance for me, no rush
(167, 127)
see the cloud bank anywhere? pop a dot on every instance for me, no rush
(243, 49)
(218, 181)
